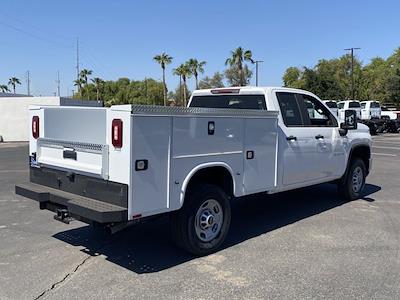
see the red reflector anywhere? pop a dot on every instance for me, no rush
(398, 115)
(225, 91)
(35, 127)
(116, 133)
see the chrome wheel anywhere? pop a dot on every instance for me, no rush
(209, 220)
(357, 179)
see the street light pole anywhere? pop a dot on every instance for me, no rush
(352, 69)
(257, 62)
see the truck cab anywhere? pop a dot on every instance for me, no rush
(370, 110)
(349, 105)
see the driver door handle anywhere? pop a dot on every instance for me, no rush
(291, 138)
(319, 136)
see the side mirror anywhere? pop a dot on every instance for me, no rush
(350, 120)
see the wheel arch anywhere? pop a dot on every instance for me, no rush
(197, 174)
(363, 152)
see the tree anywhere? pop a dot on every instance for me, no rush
(84, 74)
(216, 81)
(98, 82)
(184, 71)
(126, 91)
(13, 81)
(163, 59)
(196, 67)
(236, 78)
(237, 59)
(79, 83)
(291, 77)
(4, 88)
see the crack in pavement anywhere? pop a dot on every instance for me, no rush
(54, 285)
(91, 254)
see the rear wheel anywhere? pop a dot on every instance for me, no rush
(352, 184)
(201, 225)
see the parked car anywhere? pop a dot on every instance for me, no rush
(120, 165)
(332, 104)
(349, 104)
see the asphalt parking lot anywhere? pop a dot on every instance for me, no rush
(306, 243)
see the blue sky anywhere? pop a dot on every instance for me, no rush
(120, 38)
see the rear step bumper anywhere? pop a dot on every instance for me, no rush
(79, 207)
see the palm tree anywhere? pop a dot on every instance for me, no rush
(78, 83)
(184, 72)
(238, 56)
(98, 83)
(196, 67)
(4, 88)
(13, 81)
(163, 59)
(84, 74)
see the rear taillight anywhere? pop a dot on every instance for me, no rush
(398, 115)
(35, 127)
(116, 133)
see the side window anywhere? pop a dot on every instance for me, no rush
(317, 113)
(290, 109)
(363, 105)
(340, 105)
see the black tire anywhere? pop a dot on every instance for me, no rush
(183, 221)
(346, 188)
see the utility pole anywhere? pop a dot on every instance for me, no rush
(257, 62)
(58, 83)
(28, 82)
(77, 59)
(352, 69)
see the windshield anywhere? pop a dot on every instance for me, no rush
(230, 101)
(331, 104)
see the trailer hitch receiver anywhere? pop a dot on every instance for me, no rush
(63, 216)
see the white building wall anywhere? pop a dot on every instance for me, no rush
(14, 125)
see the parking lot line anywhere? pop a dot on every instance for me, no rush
(384, 154)
(384, 147)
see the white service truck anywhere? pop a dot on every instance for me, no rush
(120, 165)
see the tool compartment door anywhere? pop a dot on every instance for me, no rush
(260, 154)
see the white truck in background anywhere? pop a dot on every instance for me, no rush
(332, 104)
(349, 104)
(370, 110)
(117, 166)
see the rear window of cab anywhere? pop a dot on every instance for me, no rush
(354, 104)
(232, 101)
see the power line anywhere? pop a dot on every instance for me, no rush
(352, 68)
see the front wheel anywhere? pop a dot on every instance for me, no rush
(352, 184)
(201, 225)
